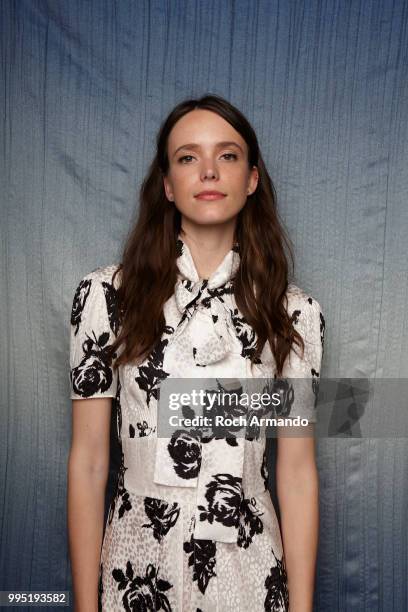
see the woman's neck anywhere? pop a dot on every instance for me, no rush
(208, 246)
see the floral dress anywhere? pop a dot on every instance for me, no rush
(192, 526)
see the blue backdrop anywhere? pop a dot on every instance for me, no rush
(85, 85)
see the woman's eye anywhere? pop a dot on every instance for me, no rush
(185, 158)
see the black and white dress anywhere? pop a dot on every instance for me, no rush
(192, 526)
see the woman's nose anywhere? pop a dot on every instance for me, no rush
(209, 171)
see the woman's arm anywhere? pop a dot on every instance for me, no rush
(88, 468)
(298, 495)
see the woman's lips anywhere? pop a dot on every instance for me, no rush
(210, 196)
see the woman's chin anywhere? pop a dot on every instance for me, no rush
(209, 215)
(210, 220)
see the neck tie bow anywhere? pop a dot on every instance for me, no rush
(216, 306)
(205, 306)
(213, 298)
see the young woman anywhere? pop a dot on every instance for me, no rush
(202, 291)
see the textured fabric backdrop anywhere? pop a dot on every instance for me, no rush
(85, 86)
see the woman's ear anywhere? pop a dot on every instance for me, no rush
(167, 189)
(253, 180)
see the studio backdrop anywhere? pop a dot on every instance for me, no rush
(84, 88)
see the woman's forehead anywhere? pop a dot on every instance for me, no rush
(202, 128)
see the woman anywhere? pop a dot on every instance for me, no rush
(202, 291)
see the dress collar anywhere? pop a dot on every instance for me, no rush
(224, 272)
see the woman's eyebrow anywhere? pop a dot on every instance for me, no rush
(218, 145)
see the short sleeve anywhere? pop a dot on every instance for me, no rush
(93, 330)
(303, 371)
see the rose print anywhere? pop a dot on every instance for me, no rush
(246, 335)
(224, 495)
(80, 297)
(249, 523)
(94, 373)
(111, 298)
(277, 596)
(121, 493)
(202, 560)
(145, 593)
(184, 448)
(163, 516)
(151, 373)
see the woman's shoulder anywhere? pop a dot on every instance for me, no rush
(95, 303)
(305, 311)
(95, 292)
(105, 274)
(298, 298)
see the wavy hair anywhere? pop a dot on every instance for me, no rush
(148, 266)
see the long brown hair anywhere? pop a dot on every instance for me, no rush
(149, 269)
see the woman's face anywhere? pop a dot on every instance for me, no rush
(206, 154)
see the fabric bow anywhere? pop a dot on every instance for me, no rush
(213, 344)
(214, 466)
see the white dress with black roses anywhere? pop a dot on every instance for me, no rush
(150, 558)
